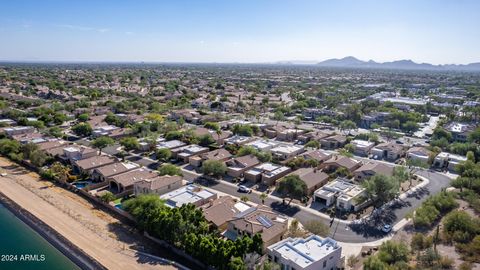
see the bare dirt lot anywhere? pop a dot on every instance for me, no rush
(97, 233)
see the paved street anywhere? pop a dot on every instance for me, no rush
(353, 233)
(341, 231)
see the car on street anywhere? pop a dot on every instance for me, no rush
(244, 189)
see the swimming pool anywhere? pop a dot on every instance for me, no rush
(81, 184)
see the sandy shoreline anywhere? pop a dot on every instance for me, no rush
(99, 235)
(76, 255)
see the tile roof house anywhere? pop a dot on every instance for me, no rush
(125, 181)
(372, 168)
(237, 166)
(218, 154)
(313, 177)
(316, 135)
(318, 155)
(218, 212)
(333, 142)
(260, 219)
(87, 165)
(51, 144)
(388, 150)
(158, 185)
(102, 173)
(419, 153)
(340, 162)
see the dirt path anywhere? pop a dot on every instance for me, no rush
(95, 232)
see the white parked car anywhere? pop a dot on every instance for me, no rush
(244, 189)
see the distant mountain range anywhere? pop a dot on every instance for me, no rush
(352, 62)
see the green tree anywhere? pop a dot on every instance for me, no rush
(347, 126)
(170, 169)
(206, 140)
(83, 117)
(82, 129)
(164, 154)
(313, 144)
(212, 125)
(292, 186)
(381, 189)
(107, 197)
(8, 146)
(214, 168)
(246, 150)
(317, 227)
(374, 263)
(102, 142)
(38, 158)
(55, 132)
(130, 143)
(410, 126)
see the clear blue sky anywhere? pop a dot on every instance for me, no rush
(435, 31)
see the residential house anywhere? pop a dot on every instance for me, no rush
(173, 144)
(158, 185)
(313, 178)
(370, 169)
(286, 152)
(266, 173)
(338, 161)
(101, 174)
(125, 182)
(448, 161)
(78, 152)
(333, 142)
(260, 219)
(218, 154)
(310, 253)
(237, 166)
(316, 135)
(185, 152)
(459, 131)
(190, 116)
(87, 165)
(362, 147)
(12, 131)
(389, 151)
(239, 140)
(264, 145)
(346, 195)
(421, 154)
(193, 194)
(318, 155)
(221, 210)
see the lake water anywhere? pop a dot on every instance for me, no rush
(22, 248)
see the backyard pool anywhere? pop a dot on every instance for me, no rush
(81, 184)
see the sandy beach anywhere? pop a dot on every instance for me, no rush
(100, 235)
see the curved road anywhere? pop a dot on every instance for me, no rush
(353, 233)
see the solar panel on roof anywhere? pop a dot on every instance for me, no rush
(265, 221)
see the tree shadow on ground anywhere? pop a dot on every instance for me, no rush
(289, 210)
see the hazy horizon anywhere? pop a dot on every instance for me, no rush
(250, 32)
